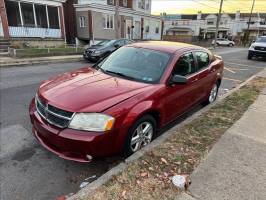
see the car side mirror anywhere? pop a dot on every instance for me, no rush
(178, 79)
(253, 41)
(117, 46)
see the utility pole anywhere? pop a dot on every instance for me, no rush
(246, 36)
(116, 19)
(218, 22)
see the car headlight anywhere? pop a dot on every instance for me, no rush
(251, 47)
(97, 52)
(92, 122)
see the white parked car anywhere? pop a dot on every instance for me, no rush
(224, 42)
(258, 48)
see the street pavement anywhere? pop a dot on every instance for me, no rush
(30, 172)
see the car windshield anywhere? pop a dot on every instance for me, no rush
(138, 64)
(261, 39)
(106, 42)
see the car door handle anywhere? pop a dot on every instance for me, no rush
(194, 80)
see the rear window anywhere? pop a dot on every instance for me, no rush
(203, 59)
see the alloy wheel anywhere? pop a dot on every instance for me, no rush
(213, 93)
(142, 136)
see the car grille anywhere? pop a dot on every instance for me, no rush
(260, 48)
(53, 115)
(89, 51)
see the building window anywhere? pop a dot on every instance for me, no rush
(108, 21)
(82, 23)
(53, 17)
(157, 29)
(27, 14)
(12, 11)
(41, 17)
(147, 29)
(210, 23)
(125, 3)
(111, 2)
(141, 4)
(148, 6)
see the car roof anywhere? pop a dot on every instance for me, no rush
(164, 46)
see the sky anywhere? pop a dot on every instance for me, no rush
(206, 6)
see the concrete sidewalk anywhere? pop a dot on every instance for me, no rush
(235, 169)
(8, 61)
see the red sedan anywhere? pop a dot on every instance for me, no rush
(117, 105)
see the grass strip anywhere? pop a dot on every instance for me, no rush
(150, 176)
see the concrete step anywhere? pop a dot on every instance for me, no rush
(4, 54)
(3, 50)
(5, 43)
(4, 46)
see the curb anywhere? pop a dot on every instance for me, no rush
(120, 167)
(37, 62)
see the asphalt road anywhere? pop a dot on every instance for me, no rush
(30, 172)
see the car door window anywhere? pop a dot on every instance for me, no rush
(185, 65)
(128, 42)
(120, 43)
(203, 59)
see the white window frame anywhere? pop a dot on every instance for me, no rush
(108, 17)
(82, 23)
(125, 3)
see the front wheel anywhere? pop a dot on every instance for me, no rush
(250, 56)
(230, 45)
(140, 134)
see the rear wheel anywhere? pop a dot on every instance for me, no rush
(140, 134)
(213, 94)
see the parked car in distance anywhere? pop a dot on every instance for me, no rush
(118, 105)
(103, 49)
(258, 48)
(224, 42)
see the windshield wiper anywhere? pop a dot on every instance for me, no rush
(119, 74)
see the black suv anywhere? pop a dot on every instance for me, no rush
(103, 49)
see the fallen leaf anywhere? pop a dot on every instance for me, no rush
(124, 194)
(164, 161)
(151, 169)
(143, 174)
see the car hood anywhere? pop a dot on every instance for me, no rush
(88, 90)
(260, 44)
(98, 47)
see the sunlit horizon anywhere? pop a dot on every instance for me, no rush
(206, 6)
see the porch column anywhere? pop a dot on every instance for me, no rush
(142, 28)
(4, 19)
(90, 26)
(62, 24)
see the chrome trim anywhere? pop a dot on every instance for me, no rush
(47, 111)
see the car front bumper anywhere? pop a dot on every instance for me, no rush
(257, 53)
(91, 57)
(70, 144)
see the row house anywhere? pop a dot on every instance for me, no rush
(39, 21)
(109, 19)
(204, 25)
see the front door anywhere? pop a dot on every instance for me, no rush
(136, 31)
(180, 97)
(128, 28)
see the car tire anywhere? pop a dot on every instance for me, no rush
(230, 45)
(250, 56)
(137, 138)
(212, 94)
